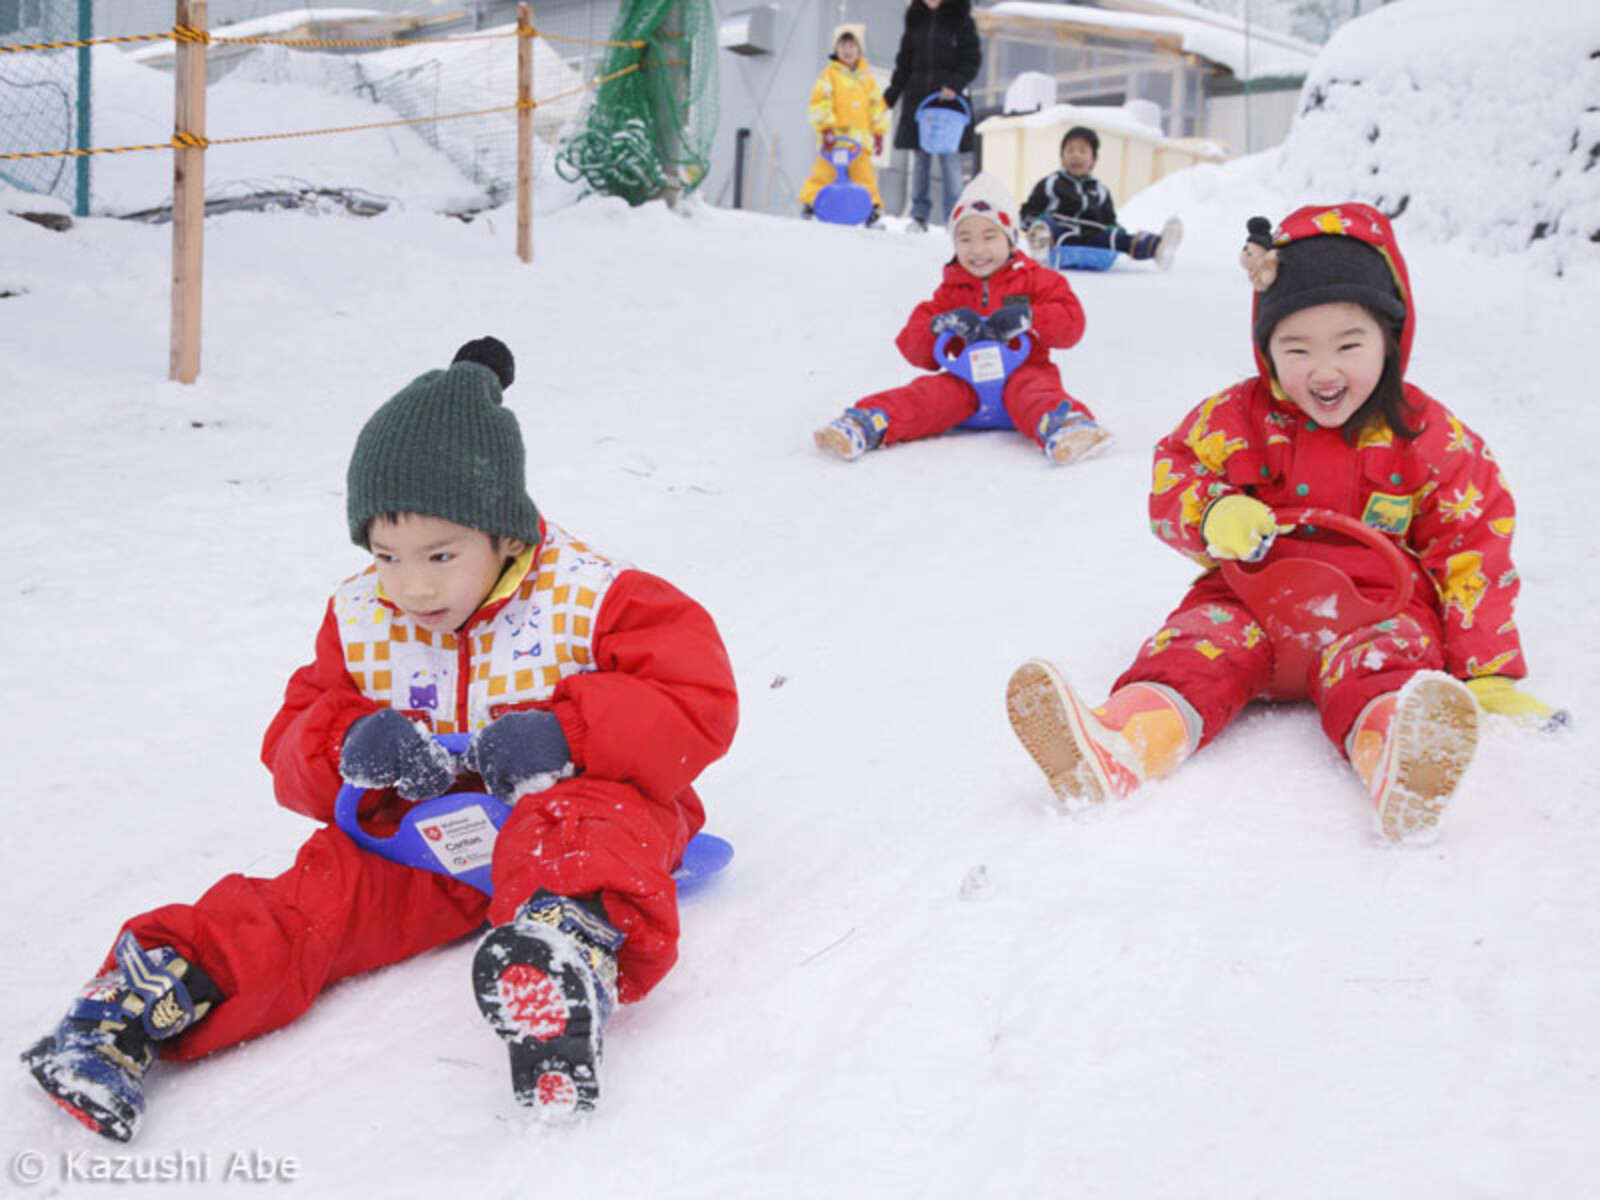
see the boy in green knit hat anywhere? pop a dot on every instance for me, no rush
(590, 695)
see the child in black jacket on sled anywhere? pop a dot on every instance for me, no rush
(1070, 207)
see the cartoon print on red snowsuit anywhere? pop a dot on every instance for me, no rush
(932, 404)
(1440, 496)
(637, 675)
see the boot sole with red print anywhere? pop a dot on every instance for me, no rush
(537, 992)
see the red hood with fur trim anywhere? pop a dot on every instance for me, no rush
(1359, 221)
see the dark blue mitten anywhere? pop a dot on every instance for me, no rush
(522, 752)
(1013, 320)
(963, 322)
(388, 749)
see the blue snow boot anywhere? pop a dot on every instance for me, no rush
(854, 433)
(546, 982)
(1070, 435)
(93, 1065)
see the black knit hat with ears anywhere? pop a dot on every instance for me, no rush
(445, 446)
(1324, 270)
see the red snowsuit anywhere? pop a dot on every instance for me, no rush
(930, 405)
(638, 677)
(1440, 497)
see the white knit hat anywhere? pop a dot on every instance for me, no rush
(987, 197)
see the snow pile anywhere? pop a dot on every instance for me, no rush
(1475, 120)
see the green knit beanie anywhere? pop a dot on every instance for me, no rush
(445, 446)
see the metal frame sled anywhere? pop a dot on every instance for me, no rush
(1070, 256)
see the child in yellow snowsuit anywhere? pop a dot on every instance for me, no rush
(846, 102)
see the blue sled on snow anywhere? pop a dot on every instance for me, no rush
(1083, 258)
(454, 835)
(843, 202)
(986, 365)
(1068, 255)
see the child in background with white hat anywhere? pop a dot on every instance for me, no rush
(989, 292)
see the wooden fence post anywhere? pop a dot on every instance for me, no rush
(525, 132)
(188, 194)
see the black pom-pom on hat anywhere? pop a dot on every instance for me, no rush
(489, 352)
(1259, 232)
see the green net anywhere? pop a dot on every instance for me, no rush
(649, 130)
(39, 94)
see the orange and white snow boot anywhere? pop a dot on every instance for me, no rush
(1411, 748)
(1093, 755)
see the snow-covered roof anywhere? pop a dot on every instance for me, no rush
(1252, 53)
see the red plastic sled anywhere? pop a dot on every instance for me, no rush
(1305, 605)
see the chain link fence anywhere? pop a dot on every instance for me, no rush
(420, 68)
(39, 98)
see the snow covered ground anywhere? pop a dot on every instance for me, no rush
(917, 977)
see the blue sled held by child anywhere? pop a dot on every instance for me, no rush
(985, 365)
(843, 202)
(454, 835)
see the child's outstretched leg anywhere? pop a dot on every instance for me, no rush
(1189, 681)
(93, 1065)
(1408, 728)
(1092, 755)
(1411, 748)
(1162, 247)
(923, 408)
(1039, 407)
(852, 434)
(1069, 434)
(547, 983)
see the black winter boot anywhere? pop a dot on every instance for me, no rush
(546, 982)
(93, 1065)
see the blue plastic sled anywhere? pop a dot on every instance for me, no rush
(939, 128)
(1083, 258)
(454, 835)
(986, 366)
(843, 202)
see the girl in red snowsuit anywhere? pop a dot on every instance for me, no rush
(1328, 422)
(989, 292)
(594, 694)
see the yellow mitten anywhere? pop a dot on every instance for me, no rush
(1498, 694)
(1241, 527)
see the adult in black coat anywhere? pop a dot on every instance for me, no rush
(939, 55)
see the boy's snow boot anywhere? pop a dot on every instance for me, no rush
(807, 213)
(1071, 435)
(547, 982)
(1411, 748)
(1041, 241)
(875, 217)
(1092, 755)
(1167, 243)
(854, 433)
(93, 1065)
